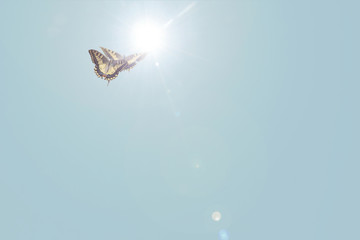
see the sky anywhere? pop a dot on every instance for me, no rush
(249, 108)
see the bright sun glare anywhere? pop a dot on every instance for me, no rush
(147, 36)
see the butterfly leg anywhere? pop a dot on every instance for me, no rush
(108, 82)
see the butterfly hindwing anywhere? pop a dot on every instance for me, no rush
(114, 70)
(110, 71)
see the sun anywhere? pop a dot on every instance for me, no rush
(147, 36)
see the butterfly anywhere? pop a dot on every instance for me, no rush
(109, 66)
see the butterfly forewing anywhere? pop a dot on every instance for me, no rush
(97, 57)
(111, 54)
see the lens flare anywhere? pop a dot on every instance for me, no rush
(223, 235)
(216, 216)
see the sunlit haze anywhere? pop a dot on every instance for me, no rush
(147, 36)
(227, 120)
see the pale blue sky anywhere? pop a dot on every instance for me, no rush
(262, 95)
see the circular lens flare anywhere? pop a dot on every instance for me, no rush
(147, 36)
(223, 235)
(216, 216)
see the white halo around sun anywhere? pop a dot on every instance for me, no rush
(147, 36)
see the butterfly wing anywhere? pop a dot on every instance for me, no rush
(114, 69)
(97, 57)
(110, 69)
(100, 61)
(133, 59)
(112, 54)
(129, 66)
(141, 56)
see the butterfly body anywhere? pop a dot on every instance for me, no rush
(108, 67)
